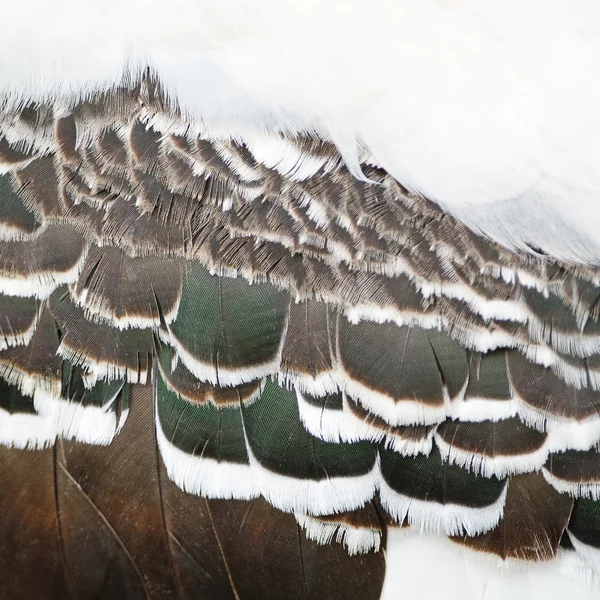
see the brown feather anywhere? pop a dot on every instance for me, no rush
(535, 518)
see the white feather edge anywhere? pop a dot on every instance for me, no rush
(450, 519)
(28, 384)
(100, 311)
(72, 420)
(503, 310)
(20, 339)
(575, 489)
(38, 285)
(314, 497)
(563, 434)
(206, 476)
(498, 465)
(344, 426)
(320, 385)
(96, 370)
(482, 409)
(26, 430)
(395, 412)
(356, 540)
(189, 398)
(9, 233)
(219, 375)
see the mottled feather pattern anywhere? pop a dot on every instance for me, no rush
(342, 349)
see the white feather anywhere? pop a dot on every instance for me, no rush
(499, 465)
(311, 496)
(198, 474)
(356, 540)
(26, 430)
(583, 489)
(73, 420)
(433, 517)
(422, 567)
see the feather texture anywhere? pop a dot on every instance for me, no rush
(87, 515)
(469, 119)
(272, 359)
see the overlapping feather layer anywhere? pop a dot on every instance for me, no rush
(340, 348)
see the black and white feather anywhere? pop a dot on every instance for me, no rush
(245, 346)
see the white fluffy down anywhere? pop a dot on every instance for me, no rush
(424, 566)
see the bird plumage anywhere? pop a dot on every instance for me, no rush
(505, 93)
(234, 336)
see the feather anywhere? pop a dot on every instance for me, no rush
(574, 473)
(36, 266)
(418, 396)
(434, 496)
(35, 367)
(488, 394)
(548, 403)
(88, 414)
(207, 339)
(527, 534)
(297, 472)
(104, 351)
(492, 448)
(128, 292)
(19, 317)
(88, 514)
(178, 379)
(308, 351)
(20, 424)
(204, 447)
(239, 338)
(16, 222)
(358, 531)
